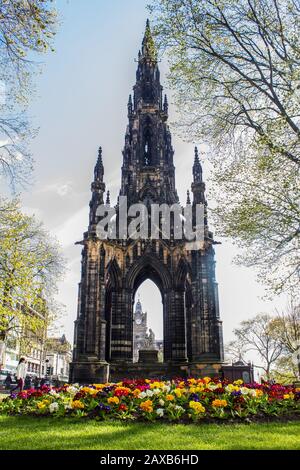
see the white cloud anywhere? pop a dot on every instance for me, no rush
(62, 189)
(71, 230)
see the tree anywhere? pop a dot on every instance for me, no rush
(26, 29)
(30, 267)
(235, 69)
(58, 345)
(256, 335)
(285, 328)
(285, 370)
(235, 351)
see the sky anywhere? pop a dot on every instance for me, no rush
(81, 103)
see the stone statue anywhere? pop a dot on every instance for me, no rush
(150, 340)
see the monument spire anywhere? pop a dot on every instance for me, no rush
(149, 51)
(99, 169)
(97, 188)
(197, 168)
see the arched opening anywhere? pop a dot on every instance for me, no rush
(147, 319)
(147, 143)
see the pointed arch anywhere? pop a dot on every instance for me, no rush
(149, 267)
(113, 275)
(183, 270)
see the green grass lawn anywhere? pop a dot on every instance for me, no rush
(53, 433)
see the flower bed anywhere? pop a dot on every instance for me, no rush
(177, 400)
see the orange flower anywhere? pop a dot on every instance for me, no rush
(147, 406)
(219, 403)
(77, 405)
(170, 397)
(206, 380)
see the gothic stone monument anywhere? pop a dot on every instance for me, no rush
(113, 269)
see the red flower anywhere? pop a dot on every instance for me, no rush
(219, 391)
(37, 394)
(121, 392)
(239, 399)
(122, 407)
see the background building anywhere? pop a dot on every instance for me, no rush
(45, 356)
(139, 330)
(57, 359)
(22, 341)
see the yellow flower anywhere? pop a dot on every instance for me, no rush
(219, 403)
(206, 380)
(297, 389)
(197, 407)
(147, 406)
(113, 400)
(238, 382)
(170, 397)
(136, 393)
(156, 385)
(99, 386)
(46, 402)
(232, 388)
(41, 405)
(90, 391)
(192, 381)
(77, 405)
(259, 393)
(178, 392)
(288, 396)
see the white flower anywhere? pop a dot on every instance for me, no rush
(161, 402)
(160, 412)
(178, 407)
(68, 406)
(72, 390)
(142, 395)
(149, 393)
(54, 393)
(156, 391)
(212, 386)
(244, 390)
(252, 393)
(166, 388)
(53, 407)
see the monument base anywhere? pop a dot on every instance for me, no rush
(89, 372)
(148, 356)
